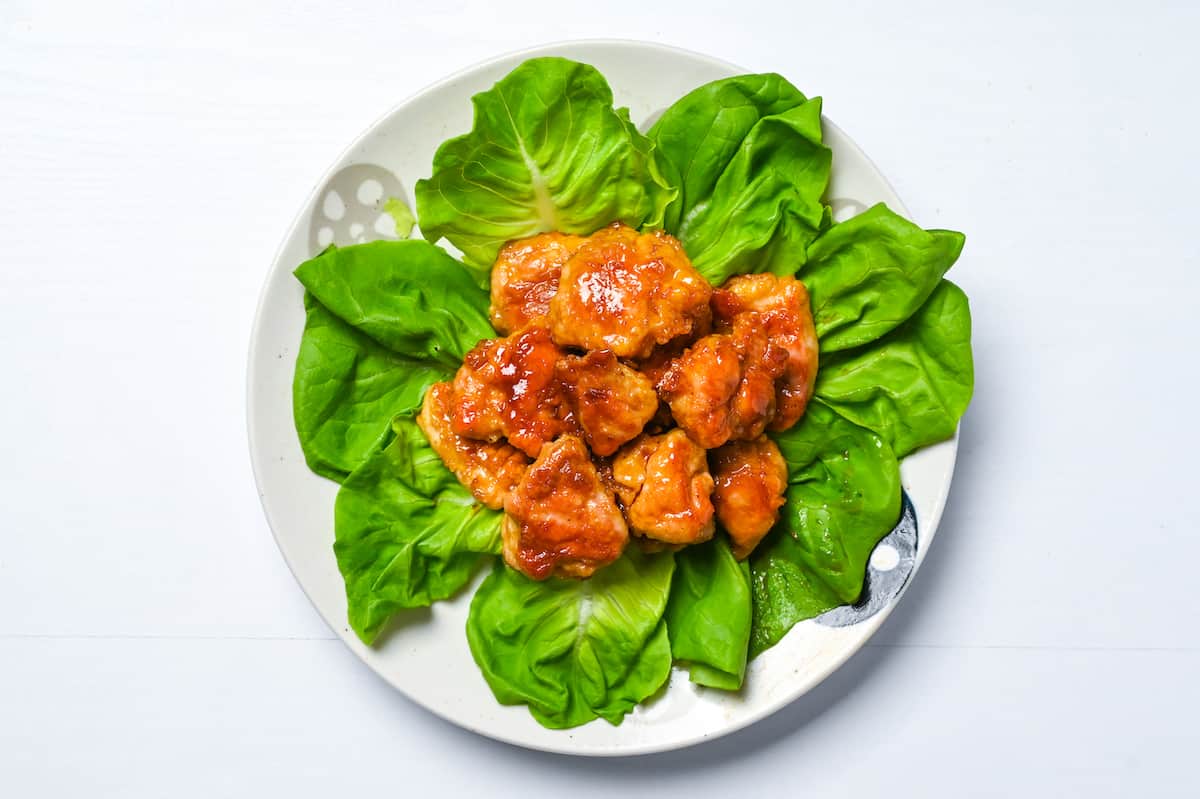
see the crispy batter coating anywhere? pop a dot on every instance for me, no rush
(750, 477)
(627, 291)
(489, 470)
(664, 485)
(525, 277)
(611, 401)
(507, 388)
(779, 308)
(562, 520)
(699, 387)
(756, 372)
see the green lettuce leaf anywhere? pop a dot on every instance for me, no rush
(406, 532)
(843, 496)
(402, 216)
(868, 274)
(547, 152)
(660, 189)
(751, 192)
(409, 296)
(913, 385)
(347, 388)
(701, 132)
(574, 650)
(770, 192)
(708, 615)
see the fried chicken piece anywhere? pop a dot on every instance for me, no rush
(756, 372)
(664, 485)
(525, 277)
(489, 470)
(723, 386)
(611, 401)
(627, 291)
(658, 363)
(699, 387)
(779, 308)
(506, 388)
(750, 478)
(562, 520)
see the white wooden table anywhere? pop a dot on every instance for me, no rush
(152, 641)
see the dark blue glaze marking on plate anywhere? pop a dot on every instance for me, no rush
(882, 586)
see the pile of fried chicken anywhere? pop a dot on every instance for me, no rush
(627, 398)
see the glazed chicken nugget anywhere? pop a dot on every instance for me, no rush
(627, 292)
(562, 519)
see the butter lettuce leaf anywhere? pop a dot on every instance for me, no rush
(868, 274)
(709, 614)
(843, 496)
(769, 193)
(574, 650)
(748, 155)
(409, 296)
(547, 152)
(701, 132)
(407, 533)
(402, 216)
(911, 386)
(346, 389)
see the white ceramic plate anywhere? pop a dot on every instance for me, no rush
(427, 657)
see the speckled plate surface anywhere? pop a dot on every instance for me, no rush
(426, 657)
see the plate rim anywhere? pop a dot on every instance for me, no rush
(928, 526)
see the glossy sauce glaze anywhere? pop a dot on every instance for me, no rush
(755, 372)
(612, 402)
(489, 470)
(665, 488)
(778, 309)
(507, 388)
(525, 278)
(750, 479)
(628, 292)
(562, 520)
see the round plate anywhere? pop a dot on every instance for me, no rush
(427, 657)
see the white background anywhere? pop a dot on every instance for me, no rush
(152, 641)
